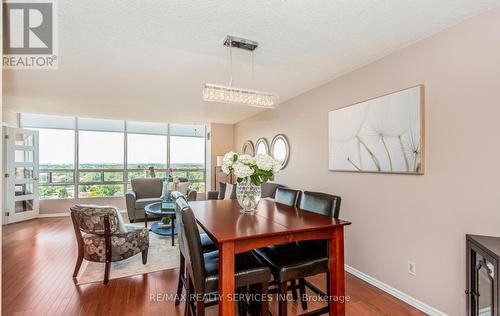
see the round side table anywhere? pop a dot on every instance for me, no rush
(161, 209)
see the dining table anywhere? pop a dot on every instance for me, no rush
(235, 232)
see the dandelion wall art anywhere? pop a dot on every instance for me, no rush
(384, 134)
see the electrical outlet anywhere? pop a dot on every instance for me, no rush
(412, 268)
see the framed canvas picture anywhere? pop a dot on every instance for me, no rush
(383, 134)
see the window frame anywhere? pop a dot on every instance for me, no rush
(125, 170)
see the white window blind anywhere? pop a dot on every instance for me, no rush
(103, 125)
(147, 128)
(29, 120)
(187, 130)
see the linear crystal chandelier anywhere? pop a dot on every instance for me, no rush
(234, 95)
(228, 94)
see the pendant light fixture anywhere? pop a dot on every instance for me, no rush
(234, 95)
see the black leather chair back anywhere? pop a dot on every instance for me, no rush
(268, 189)
(321, 203)
(191, 244)
(287, 196)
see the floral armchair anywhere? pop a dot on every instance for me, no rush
(102, 236)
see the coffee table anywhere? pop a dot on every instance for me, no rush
(160, 209)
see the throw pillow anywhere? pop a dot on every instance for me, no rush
(183, 187)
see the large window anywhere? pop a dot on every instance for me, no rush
(100, 163)
(57, 163)
(187, 157)
(83, 157)
(144, 151)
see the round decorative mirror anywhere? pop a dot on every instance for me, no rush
(262, 146)
(280, 149)
(248, 148)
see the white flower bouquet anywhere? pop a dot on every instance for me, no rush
(257, 170)
(250, 173)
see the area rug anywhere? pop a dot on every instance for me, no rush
(161, 256)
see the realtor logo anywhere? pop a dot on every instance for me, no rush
(29, 30)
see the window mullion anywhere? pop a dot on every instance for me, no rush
(168, 146)
(77, 162)
(125, 159)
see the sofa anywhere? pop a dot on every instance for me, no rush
(147, 191)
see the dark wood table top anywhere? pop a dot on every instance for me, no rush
(224, 222)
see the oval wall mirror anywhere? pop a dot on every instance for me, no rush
(262, 146)
(280, 149)
(248, 148)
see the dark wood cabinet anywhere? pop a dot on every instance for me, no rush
(483, 256)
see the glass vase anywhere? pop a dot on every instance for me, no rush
(165, 192)
(248, 195)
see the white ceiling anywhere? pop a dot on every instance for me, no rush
(148, 60)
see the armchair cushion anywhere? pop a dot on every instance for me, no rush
(141, 203)
(123, 245)
(182, 187)
(147, 188)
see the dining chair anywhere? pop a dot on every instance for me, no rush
(207, 245)
(268, 190)
(287, 196)
(296, 261)
(202, 269)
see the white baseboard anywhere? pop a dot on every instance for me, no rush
(395, 292)
(65, 214)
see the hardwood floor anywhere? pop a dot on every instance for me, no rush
(38, 261)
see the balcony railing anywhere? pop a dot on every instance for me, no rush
(70, 183)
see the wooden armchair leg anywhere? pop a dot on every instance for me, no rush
(145, 256)
(78, 264)
(106, 272)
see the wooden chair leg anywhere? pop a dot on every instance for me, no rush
(189, 302)
(241, 308)
(302, 290)
(172, 230)
(145, 256)
(180, 282)
(264, 304)
(282, 311)
(293, 287)
(106, 272)
(328, 288)
(200, 308)
(79, 260)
